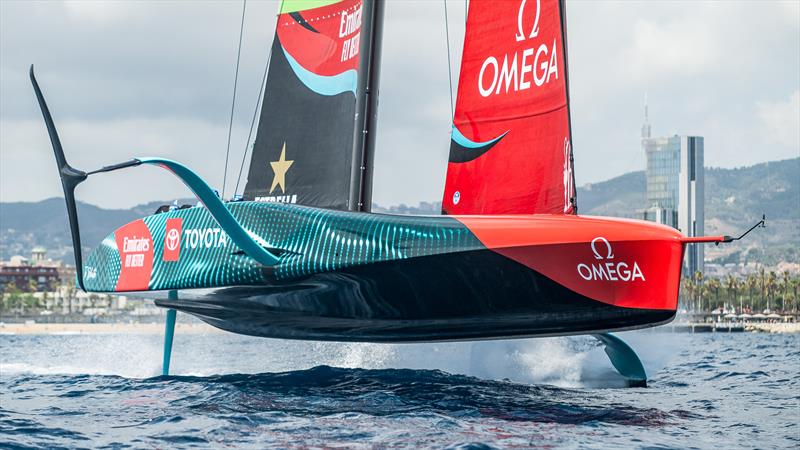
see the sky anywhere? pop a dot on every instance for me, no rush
(126, 79)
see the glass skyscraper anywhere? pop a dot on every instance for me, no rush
(676, 188)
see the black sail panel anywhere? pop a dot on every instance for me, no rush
(306, 144)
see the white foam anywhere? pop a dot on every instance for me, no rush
(563, 362)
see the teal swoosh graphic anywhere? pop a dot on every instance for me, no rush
(322, 84)
(218, 210)
(464, 141)
(463, 149)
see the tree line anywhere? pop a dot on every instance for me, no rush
(757, 292)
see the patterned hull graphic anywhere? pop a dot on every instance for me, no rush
(355, 276)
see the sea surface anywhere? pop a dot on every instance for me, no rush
(718, 391)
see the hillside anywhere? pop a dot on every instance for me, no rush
(618, 197)
(735, 199)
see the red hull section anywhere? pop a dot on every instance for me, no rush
(625, 263)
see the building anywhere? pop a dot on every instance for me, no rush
(27, 277)
(675, 187)
(665, 216)
(37, 274)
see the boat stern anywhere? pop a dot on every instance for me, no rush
(625, 263)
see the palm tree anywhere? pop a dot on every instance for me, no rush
(30, 303)
(772, 283)
(732, 284)
(14, 299)
(785, 284)
(713, 285)
(688, 289)
(698, 278)
(750, 282)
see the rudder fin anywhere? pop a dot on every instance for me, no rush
(624, 359)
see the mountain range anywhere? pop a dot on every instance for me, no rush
(735, 199)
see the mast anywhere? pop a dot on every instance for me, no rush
(367, 108)
(562, 6)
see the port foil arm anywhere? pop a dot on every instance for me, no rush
(238, 234)
(217, 208)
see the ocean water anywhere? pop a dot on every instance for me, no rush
(717, 391)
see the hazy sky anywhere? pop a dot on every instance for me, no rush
(128, 79)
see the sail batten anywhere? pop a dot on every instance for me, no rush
(510, 150)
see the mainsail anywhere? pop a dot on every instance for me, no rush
(511, 147)
(310, 147)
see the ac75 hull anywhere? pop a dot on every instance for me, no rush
(464, 296)
(371, 277)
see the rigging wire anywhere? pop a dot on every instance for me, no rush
(233, 102)
(253, 121)
(449, 68)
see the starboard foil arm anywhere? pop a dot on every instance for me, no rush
(724, 239)
(72, 177)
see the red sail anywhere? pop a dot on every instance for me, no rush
(511, 144)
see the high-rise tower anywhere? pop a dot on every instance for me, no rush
(675, 186)
(646, 124)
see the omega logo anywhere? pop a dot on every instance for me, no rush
(535, 28)
(522, 68)
(607, 269)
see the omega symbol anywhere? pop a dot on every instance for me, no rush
(597, 254)
(535, 28)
